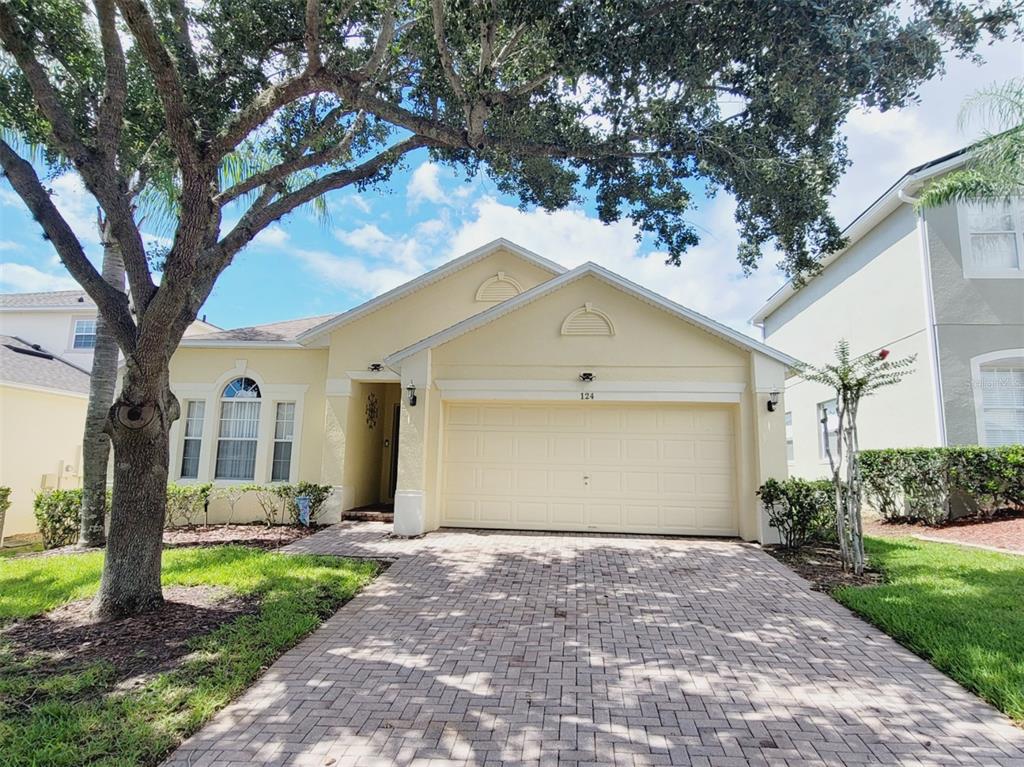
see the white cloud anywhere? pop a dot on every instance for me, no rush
(368, 238)
(22, 278)
(271, 237)
(10, 245)
(424, 184)
(354, 274)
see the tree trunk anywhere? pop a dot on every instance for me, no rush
(102, 383)
(138, 426)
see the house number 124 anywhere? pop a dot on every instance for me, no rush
(586, 395)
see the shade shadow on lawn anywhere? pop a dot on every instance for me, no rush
(961, 609)
(74, 714)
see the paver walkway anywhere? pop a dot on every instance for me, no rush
(505, 649)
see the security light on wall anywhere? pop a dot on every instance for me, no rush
(773, 400)
(411, 388)
(587, 377)
(376, 367)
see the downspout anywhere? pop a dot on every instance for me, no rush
(929, 302)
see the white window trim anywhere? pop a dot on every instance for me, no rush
(221, 402)
(75, 319)
(176, 477)
(211, 393)
(965, 247)
(976, 365)
(293, 461)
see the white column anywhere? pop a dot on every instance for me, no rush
(410, 494)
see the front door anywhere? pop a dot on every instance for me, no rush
(393, 458)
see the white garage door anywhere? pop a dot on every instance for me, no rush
(658, 468)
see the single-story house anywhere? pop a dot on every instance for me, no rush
(43, 400)
(499, 390)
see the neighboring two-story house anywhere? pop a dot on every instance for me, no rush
(946, 285)
(46, 350)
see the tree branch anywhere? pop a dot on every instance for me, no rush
(180, 126)
(115, 90)
(312, 35)
(111, 302)
(441, 41)
(372, 67)
(259, 110)
(283, 170)
(254, 221)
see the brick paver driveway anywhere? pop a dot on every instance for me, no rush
(485, 648)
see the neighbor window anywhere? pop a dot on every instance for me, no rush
(992, 238)
(85, 334)
(239, 428)
(1002, 403)
(789, 437)
(194, 411)
(828, 410)
(284, 432)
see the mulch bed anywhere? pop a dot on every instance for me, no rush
(258, 535)
(820, 564)
(1003, 530)
(137, 647)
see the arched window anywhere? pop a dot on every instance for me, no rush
(999, 397)
(239, 428)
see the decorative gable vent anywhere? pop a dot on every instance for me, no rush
(588, 321)
(500, 287)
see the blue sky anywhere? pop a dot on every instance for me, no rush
(427, 214)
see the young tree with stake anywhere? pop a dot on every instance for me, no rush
(851, 379)
(636, 102)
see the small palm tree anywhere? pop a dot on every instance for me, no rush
(995, 169)
(852, 379)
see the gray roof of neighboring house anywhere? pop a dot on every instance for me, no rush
(30, 365)
(274, 332)
(52, 299)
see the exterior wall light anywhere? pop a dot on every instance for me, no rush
(773, 400)
(376, 367)
(411, 388)
(587, 377)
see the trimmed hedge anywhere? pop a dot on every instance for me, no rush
(933, 485)
(58, 514)
(800, 509)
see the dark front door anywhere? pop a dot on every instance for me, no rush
(393, 469)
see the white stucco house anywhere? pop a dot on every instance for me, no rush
(946, 285)
(499, 390)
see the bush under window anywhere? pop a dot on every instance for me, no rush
(800, 509)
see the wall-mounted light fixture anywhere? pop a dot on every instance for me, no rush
(773, 400)
(375, 367)
(411, 388)
(587, 377)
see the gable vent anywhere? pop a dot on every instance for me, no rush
(500, 287)
(588, 321)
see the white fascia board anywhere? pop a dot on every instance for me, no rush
(196, 343)
(427, 279)
(590, 268)
(867, 220)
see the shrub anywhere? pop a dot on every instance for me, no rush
(270, 500)
(5, 504)
(231, 495)
(923, 484)
(800, 509)
(317, 494)
(186, 503)
(57, 516)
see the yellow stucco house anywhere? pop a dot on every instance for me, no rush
(499, 390)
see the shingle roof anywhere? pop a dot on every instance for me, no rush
(285, 331)
(53, 298)
(29, 365)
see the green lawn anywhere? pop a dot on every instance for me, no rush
(961, 608)
(74, 717)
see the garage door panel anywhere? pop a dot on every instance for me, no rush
(640, 468)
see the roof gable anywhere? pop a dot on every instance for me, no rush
(317, 332)
(621, 283)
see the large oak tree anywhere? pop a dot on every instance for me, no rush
(638, 102)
